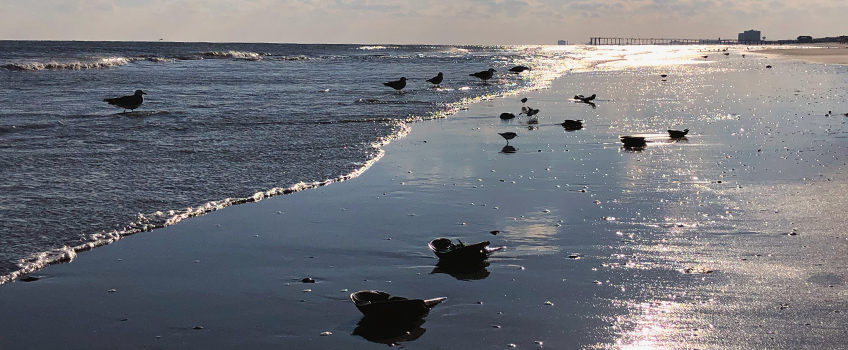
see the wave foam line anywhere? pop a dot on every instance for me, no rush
(106, 62)
(160, 219)
(251, 56)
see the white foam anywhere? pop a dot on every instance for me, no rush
(245, 55)
(106, 62)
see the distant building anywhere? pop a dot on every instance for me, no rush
(562, 42)
(750, 35)
(805, 39)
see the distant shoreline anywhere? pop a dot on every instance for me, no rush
(827, 53)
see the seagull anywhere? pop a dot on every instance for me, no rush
(509, 135)
(484, 75)
(507, 116)
(130, 102)
(437, 79)
(585, 99)
(663, 75)
(518, 69)
(704, 57)
(769, 66)
(530, 111)
(524, 100)
(397, 84)
(677, 134)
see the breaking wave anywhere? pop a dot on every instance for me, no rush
(250, 56)
(107, 62)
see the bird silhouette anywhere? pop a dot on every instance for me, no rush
(397, 84)
(585, 99)
(524, 100)
(437, 79)
(484, 75)
(509, 135)
(130, 102)
(530, 111)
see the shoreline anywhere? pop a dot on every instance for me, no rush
(827, 53)
(648, 230)
(161, 219)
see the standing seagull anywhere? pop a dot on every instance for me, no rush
(437, 79)
(397, 84)
(509, 135)
(130, 102)
(484, 75)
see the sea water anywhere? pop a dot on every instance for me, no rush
(221, 124)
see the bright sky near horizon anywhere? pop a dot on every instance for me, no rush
(415, 21)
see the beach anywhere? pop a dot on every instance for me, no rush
(730, 238)
(828, 53)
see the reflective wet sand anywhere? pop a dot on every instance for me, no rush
(731, 238)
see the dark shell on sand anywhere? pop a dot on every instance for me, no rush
(569, 124)
(677, 134)
(633, 141)
(377, 304)
(448, 251)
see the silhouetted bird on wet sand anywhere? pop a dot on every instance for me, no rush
(437, 79)
(585, 99)
(397, 84)
(677, 134)
(507, 116)
(484, 75)
(704, 57)
(529, 111)
(519, 69)
(524, 100)
(509, 135)
(130, 102)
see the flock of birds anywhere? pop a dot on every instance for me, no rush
(630, 142)
(485, 75)
(135, 100)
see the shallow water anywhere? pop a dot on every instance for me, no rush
(682, 245)
(221, 124)
(219, 121)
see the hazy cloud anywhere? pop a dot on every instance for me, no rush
(424, 21)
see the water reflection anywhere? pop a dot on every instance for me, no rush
(389, 332)
(463, 272)
(509, 149)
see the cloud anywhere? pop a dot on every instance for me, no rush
(424, 21)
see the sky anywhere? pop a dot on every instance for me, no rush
(451, 22)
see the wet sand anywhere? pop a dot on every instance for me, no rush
(833, 53)
(731, 238)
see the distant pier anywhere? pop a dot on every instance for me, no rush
(663, 41)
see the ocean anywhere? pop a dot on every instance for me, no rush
(221, 124)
